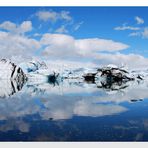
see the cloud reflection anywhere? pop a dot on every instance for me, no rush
(61, 102)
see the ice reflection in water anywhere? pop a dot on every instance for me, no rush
(75, 111)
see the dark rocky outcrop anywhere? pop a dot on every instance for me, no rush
(109, 78)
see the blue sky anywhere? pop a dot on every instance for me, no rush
(125, 25)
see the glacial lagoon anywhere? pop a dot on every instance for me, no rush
(73, 73)
(73, 111)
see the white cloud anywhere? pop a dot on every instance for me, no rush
(143, 33)
(100, 59)
(90, 48)
(24, 27)
(62, 46)
(97, 44)
(62, 18)
(119, 59)
(53, 16)
(126, 28)
(47, 15)
(139, 31)
(7, 25)
(65, 15)
(62, 29)
(135, 34)
(58, 44)
(15, 44)
(139, 20)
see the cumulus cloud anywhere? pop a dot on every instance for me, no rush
(53, 16)
(14, 40)
(24, 27)
(59, 44)
(139, 20)
(97, 44)
(16, 44)
(47, 15)
(53, 45)
(7, 25)
(62, 46)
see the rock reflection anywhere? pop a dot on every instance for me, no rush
(9, 87)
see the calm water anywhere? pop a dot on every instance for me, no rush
(73, 111)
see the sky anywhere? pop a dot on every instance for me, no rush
(80, 36)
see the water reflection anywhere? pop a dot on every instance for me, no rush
(9, 87)
(36, 109)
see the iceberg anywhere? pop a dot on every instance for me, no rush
(12, 78)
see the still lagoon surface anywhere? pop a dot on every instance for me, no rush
(73, 111)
